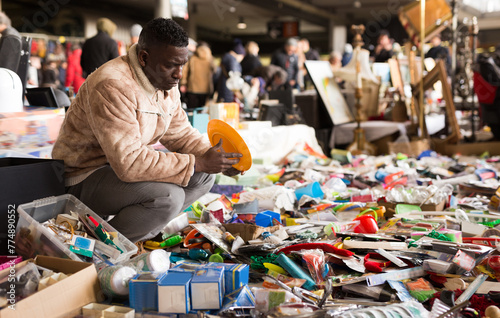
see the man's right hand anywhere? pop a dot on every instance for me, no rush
(215, 160)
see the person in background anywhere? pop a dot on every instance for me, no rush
(122, 109)
(251, 61)
(99, 49)
(309, 53)
(196, 80)
(192, 45)
(383, 50)
(273, 77)
(135, 31)
(287, 59)
(229, 62)
(34, 72)
(62, 73)
(74, 76)
(10, 44)
(305, 53)
(50, 74)
(346, 57)
(439, 52)
(335, 60)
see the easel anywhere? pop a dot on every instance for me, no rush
(438, 73)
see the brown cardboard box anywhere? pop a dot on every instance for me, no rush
(391, 207)
(412, 148)
(63, 299)
(466, 149)
(249, 231)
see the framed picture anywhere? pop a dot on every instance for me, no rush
(326, 85)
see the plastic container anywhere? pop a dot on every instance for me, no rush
(312, 189)
(32, 238)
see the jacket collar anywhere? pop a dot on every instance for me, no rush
(140, 76)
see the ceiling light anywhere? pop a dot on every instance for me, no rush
(241, 25)
(357, 4)
(232, 9)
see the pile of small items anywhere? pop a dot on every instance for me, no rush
(407, 237)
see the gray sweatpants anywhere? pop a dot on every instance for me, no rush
(140, 209)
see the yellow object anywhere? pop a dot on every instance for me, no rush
(275, 268)
(291, 221)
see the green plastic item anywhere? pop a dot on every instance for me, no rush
(216, 258)
(407, 208)
(171, 241)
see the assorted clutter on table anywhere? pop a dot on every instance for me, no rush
(362, 236)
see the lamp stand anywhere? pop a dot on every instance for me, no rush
(360, 145)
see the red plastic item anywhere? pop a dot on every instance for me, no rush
(488, 241)
(390, 178)
(373, 266)
(327, 248)
(494, 262)
(367, 224)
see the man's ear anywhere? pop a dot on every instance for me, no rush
(143, 56)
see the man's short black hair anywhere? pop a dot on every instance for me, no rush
(162, 31)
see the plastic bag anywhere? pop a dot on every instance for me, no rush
(267, 299)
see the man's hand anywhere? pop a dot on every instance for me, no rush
(215, 160)
(183, 89)
(231, 172)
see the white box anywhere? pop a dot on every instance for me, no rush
(207, 288)
(174, 292)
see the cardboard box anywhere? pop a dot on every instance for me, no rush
(249, 232)
(174, 292)
(412, 148)
(235, 275)
(240, 297)
(466, 149)
(391, 207)
(207, 288)
(35, 127)
(25, 180)
(65, 298)
(143, 295)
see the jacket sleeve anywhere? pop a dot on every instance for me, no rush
(181, 136)
(10, 55)
(113, 120)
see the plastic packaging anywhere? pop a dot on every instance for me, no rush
(40, 239)
(155, 261)
(315, 260)
(267, 299)
(114, 280)
(312, 190)
(336, 227)
(295, 271)
(421, 289)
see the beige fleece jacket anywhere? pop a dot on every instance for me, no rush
(116, 118)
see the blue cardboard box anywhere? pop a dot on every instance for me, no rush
(235, 275)
(143, 294)
(207, 288)
(242, 297)
(174, 292)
